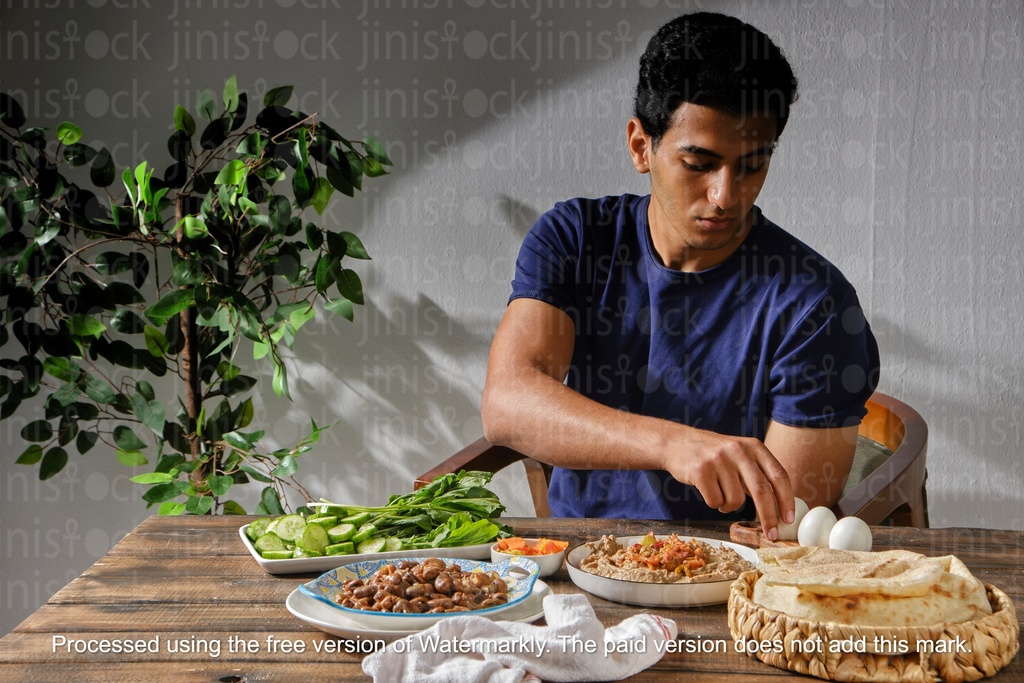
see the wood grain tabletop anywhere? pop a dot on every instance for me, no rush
(187, 593)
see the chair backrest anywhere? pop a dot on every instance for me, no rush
(894, 491)
(887, 484)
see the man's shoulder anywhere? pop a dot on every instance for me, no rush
(598, 211)
(779, 254)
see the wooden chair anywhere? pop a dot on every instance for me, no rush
(886, 485)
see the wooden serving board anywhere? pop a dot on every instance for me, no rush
(749, 533)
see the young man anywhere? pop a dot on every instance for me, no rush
(679, 356)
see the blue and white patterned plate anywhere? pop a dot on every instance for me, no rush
(519, 575)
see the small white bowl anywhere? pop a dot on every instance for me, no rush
(549, 564)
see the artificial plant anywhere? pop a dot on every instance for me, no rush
(111, 294)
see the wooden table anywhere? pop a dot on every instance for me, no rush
(184, 577)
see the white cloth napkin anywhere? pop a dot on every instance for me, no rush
(574, 646)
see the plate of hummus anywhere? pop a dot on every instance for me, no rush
(659, 571)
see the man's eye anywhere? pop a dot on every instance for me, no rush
(697, 168)
(752, 168)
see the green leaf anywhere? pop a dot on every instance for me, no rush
(270, 503)
(53, 462)
(171, 509)
(255, 474)
(98, 390)
(372, 168)
(232, 174)
(376, 151)
(183, 121)
(342, 307)
(126, 321)
(153, 478)
(63, 369)
(172, 303)
(231, 94)
(32, 455)
(322, 195)
(81, 325)
(287, 467)
(228, 371)
(79, 154)
(11, 113)
(277, 97)
(323, 277)
(37, 430)
(250, 145)
(156, 341)
(355, 246)
(280, 381)
(280, 211)
(126, 439)
(349, 285)
(102, 172)
(198, 505)
(131, 459)
(230, 507)
(85, 441)
(68, 133)
(301, 186)
(149, 411)
(194, 227)
(219, 484)
(205, 105)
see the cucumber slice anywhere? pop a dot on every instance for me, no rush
(358, 519)
(290, 527)
(392, 543)
(326, 521)
(299, 552)
(257, 528)
(277, 555)
(313, 539)
(364, 532)
(342, 532)
(371, 545)
(346, 548)
(335, 510)
(270, 541)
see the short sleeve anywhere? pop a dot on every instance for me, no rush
(547, 262)
(827, 366)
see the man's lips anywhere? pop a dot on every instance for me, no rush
(716, 222)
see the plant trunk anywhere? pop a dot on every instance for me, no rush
(190, 360)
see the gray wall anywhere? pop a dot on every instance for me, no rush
(902, 162)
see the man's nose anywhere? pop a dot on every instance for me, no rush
(723, 191)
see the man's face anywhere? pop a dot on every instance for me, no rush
(706, 172)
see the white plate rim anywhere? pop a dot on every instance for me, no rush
(303, 565)
(616, 588)
(336, 623)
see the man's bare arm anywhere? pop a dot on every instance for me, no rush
(818, 460)
(526, 406)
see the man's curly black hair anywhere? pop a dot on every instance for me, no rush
(716, 61)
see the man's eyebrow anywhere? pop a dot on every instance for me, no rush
(703, 151)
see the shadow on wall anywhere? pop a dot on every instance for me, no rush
(941, 389)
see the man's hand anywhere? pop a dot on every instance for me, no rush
(725, 469)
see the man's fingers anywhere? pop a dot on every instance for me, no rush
(778, 478)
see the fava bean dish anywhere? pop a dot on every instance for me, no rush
(663, 560)
(426, 587)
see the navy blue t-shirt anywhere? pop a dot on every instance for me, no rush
(775, 332)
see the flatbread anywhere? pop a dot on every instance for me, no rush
(890, 588)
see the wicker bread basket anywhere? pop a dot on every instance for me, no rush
(992, 642)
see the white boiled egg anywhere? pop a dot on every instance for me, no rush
(816, 526)
(850, 533)
(787, 532)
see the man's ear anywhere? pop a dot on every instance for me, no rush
(639, 144)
